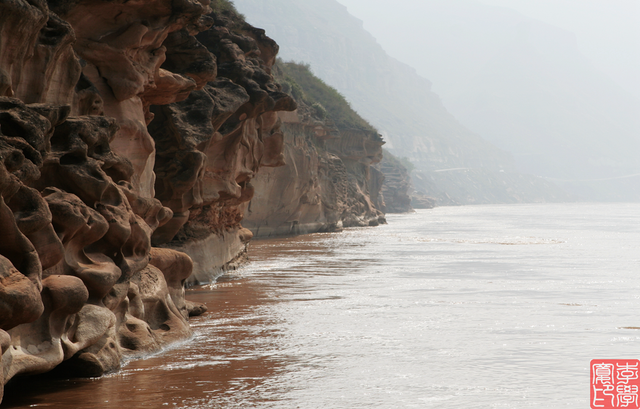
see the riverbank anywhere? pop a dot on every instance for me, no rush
(502, 302)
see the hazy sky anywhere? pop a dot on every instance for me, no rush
(608, 31)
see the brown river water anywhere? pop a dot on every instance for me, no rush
(456, 307)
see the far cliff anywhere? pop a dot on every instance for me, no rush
(452, 164)
(525, 86)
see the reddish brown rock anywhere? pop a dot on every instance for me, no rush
(5, 343)
(124, 124)
(43, 344)
(20, 300)
(212, 144)
(77, 206)
(176, 268)
(20, 25)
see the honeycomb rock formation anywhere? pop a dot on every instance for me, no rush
(131, 135)
(123, 126)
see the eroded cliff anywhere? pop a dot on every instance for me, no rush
(128, 131)
(397, 192)
(328, 181)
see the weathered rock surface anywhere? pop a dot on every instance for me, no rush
(318, 190)
(75, 254)
(211, 145)
(396, 188)
(328, 181)
(123, 126)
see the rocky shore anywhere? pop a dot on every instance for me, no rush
(135, 137)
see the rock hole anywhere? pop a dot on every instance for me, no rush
(72, 159)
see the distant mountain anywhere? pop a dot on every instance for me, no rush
(396, 100)
(525, 86)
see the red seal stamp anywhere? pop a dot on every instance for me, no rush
(615, 383)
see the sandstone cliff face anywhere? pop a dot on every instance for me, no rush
(328, 181)
(123, 126)
(318, 189)
(396, 188)
(212, 144)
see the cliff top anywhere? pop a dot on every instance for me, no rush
(298, 80)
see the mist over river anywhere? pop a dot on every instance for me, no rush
(455, 307)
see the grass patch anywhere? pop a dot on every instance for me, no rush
(298, 80)
(226, 8)
(223, 6)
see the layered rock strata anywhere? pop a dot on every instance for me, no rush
(396, 185)
(328, 181)
(128, 130)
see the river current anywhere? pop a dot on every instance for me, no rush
(455, 307)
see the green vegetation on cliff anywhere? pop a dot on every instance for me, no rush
(224, 6)
(232, 18)
(298, 80)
